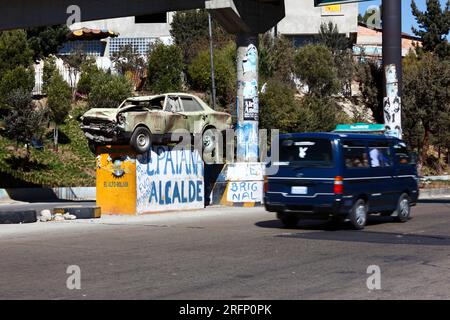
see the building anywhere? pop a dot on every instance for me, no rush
(369, 43)
(303, 20)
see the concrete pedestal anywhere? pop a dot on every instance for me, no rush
(165, 179)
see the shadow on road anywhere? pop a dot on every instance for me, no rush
(435, 201)
(322, 224)
(343, 232)
(373, 237)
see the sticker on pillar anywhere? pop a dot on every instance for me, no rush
(391, 81)
(244, 191)
(250, 89)
(169, 179)
(250, 60)
(393, 116)
(251, 109)
(247, 140)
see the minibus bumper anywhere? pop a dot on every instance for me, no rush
(323, 207)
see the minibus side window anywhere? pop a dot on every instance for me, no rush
(355, 154)
(380, 154)
(402, 155)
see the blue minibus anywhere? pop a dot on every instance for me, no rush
(343, 177)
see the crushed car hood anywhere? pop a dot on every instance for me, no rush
(104, 114)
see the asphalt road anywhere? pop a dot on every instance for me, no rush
(227, 253)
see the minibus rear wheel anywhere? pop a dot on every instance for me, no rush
(358, 214)
(288, 221)
(403, 211)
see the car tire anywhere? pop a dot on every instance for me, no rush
(359, 214)
(288, 221)
(403, 211)
(93, 147)
(141, 140)
(209, 145)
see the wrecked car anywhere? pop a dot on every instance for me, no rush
(143, 121)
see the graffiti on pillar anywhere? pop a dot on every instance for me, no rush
(247, 139)
(392, 103)
(251, 59)
(169, 179)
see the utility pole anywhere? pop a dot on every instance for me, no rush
(392, 64)
(211, 49)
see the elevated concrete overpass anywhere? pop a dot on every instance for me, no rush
(235, 15)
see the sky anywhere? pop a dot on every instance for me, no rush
(408, 19)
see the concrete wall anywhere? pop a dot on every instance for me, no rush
(126, 27)
(302, 18)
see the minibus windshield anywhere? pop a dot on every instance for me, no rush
(305, 152)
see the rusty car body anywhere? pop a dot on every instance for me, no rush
(147, 120)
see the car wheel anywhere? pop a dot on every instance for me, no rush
(403, 211)
(288, 221)
(93, 147)
(358, 214)
(141, 140)
(210, 148)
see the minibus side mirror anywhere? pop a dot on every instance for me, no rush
(414, 157)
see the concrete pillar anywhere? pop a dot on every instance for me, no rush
(247, 98)
(392, 63)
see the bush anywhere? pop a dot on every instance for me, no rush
(108, 90)
(314, 66)
(49, 71)
(199, 72)
(25, 121)
(280, 109)
(19, 78)
(89, 72)
(165, 66)
(59, 98)
(14, 50)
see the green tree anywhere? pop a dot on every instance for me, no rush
(426, 94)
(89, 72)
(45, 41)
(108, 91)
(19, 78)
(25, 121)
(314, 66)
(330, 37)
(339, 45)
(199, 72)
(14, 50)
(369, 76)
(59, 100)
(434, 26)
(49, 70)
(189, 30)
(127, 59)
(278, 107)
(276, 58)
(165, 67)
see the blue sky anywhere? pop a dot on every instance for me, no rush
(408, 19)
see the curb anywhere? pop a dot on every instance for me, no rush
(80, 212)
(18, 216)
(434, 193)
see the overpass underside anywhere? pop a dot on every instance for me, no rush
(244, 15)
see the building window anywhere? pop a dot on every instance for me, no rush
(140, 44)
(94, 48)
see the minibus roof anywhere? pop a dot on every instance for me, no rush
(336, 135)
